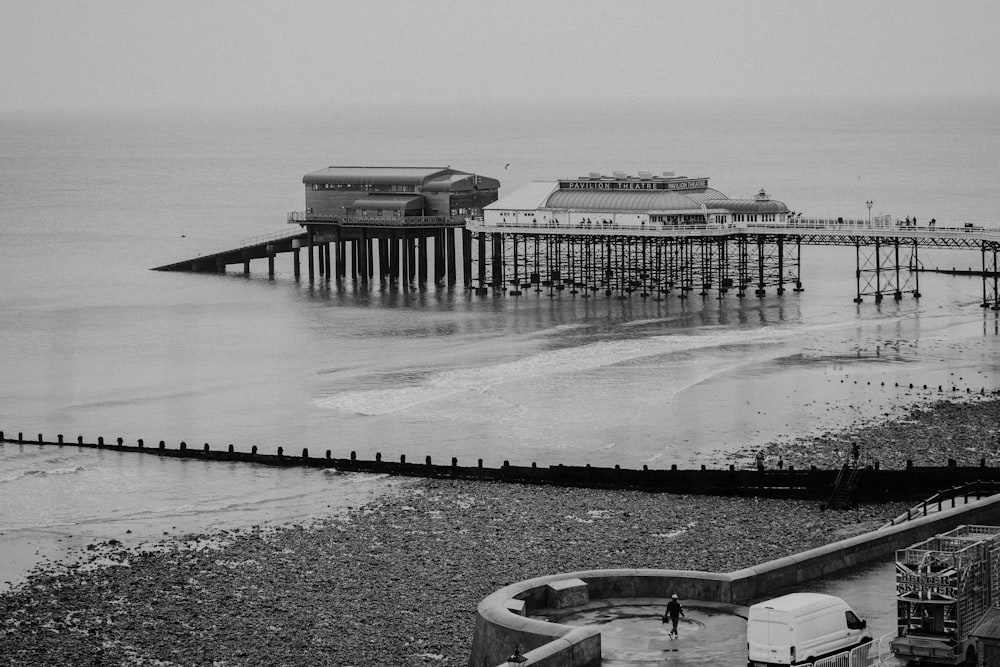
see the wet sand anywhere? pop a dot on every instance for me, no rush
(397, 581)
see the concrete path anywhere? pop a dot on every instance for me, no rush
(632, 633)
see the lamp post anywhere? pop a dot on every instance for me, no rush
(869, 205)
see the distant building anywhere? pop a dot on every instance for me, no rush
(621, 200)
(384, 221)
(395, 195)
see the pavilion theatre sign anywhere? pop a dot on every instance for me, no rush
(689, 184)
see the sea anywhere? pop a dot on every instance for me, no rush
(94, 343)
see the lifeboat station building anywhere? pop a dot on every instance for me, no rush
(396, 194)
(384, 220)
(620, 201)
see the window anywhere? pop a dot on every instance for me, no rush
(853, 622)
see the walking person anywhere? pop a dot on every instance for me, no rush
(673, 613)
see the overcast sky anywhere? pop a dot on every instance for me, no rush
(108, 54)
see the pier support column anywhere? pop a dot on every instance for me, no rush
(404, 255)
(411, 259)
(270, 261)
(857, 272)
(370, 250)
(341, 254)
(329, 267)
(781, 265)
(362, 252)
(466, 258)
(246, 263)
(452, 255)
(991, 277)
(760, 291)
(482, 260)
(497, 261)
(383, 258)
(422, 259)
(296, 268)
(309, 250)
(439, 248)
(394, 257)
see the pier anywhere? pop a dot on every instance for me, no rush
(623, 260)
(614, 236)
(616, 261)
(363, 222)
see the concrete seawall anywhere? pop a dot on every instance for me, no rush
(498, 629)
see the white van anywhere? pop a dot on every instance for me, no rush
(801, 627)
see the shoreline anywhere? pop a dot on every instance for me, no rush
(967, 432)
(396, 580)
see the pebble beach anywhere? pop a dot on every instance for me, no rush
(396, 581)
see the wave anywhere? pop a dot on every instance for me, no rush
(593, 356)
(25, 474)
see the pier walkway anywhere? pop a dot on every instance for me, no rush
(648, 259)
(654, 258)
(258, 247)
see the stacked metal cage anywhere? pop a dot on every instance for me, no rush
(945, 584)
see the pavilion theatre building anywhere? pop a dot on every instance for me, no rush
(625, 202)
(624, 233)
(384, 220)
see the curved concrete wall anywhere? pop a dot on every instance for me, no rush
(498, 630)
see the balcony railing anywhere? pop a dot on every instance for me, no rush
(812, 224)
(306, 217)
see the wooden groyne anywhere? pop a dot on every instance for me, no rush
(874, 484)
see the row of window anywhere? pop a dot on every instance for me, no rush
(365, 187)
(753, 217)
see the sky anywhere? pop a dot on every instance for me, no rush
(139, 54)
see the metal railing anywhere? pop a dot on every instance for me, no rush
(897, 228)
(304, 217)
(479, 224)
(263, 238)
(936, 503)
(867, 655)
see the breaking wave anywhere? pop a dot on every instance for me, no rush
(26, 474)
(440, 385)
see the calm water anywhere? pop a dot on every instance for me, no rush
(93, 343)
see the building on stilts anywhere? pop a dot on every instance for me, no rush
(621, 234)
(384, 221)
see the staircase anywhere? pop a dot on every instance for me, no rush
(845, 486)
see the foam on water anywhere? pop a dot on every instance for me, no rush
(570, 361)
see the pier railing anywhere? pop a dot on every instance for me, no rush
(306, 217)
(264, 238)
(896, 228)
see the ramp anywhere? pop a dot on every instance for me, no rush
(258, 247)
